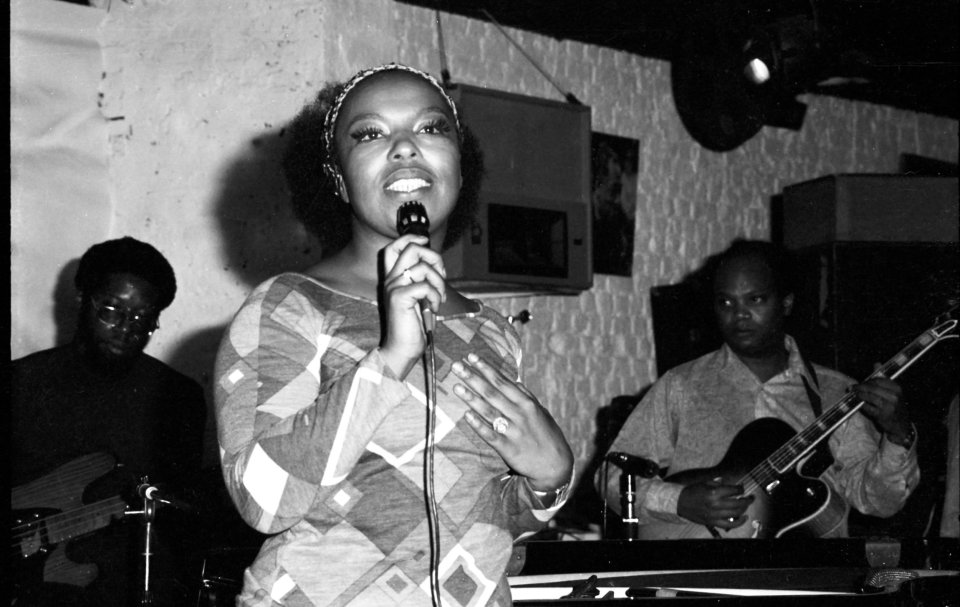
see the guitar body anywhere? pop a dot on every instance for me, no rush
(793, 504)
(49, 511)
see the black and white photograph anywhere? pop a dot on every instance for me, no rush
(483, 303)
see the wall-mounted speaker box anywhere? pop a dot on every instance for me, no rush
(533, 230)
(870, 208)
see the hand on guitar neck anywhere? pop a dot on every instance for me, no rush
(714, 504)
(882, 403)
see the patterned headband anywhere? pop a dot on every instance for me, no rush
(330, 120)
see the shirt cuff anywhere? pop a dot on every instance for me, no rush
(896, 453)
(661, 500)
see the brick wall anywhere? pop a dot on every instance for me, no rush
(198, 94)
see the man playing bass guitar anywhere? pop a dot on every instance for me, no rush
(704, 421)
(88, 419)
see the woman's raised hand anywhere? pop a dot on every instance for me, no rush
(511, 420)
(412, 272)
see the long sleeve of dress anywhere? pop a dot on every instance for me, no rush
(289, 429)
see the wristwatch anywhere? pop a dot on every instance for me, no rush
(908, 440)
(549, 499)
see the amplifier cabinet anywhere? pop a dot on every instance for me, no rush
(872, 208)
(858, 304)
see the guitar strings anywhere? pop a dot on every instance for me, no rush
(67, 523)
(74, 524)
(66, 519)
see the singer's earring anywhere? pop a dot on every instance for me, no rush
(342, 188)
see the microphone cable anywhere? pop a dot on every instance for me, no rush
(430, 376)
(412, 219)
(604, 475)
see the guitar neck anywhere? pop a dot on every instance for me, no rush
(787, 456)
(85, 519)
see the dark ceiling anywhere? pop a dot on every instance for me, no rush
(900, 53)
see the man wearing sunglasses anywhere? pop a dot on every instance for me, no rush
(102, 394)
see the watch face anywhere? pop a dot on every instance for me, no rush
(549, 499)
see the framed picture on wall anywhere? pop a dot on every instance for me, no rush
(613, 197)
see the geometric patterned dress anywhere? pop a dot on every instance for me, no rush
(322, 447)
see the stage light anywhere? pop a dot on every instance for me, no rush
(759, 58)
(740, 66)
(757, 71)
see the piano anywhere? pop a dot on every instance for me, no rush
(802, 572)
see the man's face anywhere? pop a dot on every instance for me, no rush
(749, 310)
(118, 318)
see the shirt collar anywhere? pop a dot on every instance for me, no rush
(795, 365)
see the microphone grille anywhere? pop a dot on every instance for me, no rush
(412, 219)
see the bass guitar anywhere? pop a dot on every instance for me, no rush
(49, 511)
(788, 500)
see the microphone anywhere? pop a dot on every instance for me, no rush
(633, 464)
(412, 219)
(152, 492)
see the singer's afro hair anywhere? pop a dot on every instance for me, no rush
(126, 256)
(314, 196)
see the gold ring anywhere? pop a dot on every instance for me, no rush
(500, 425)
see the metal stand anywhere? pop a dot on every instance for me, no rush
(628, 496)
(631, 467)
(149, 512)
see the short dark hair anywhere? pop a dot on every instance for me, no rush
(777, 258)
(315, 198)
(129, 256)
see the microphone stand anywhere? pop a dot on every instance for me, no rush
(631, 467)
(628, 495)
(433, 523)
(149, 513)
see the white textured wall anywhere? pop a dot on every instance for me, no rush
(199, 93)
